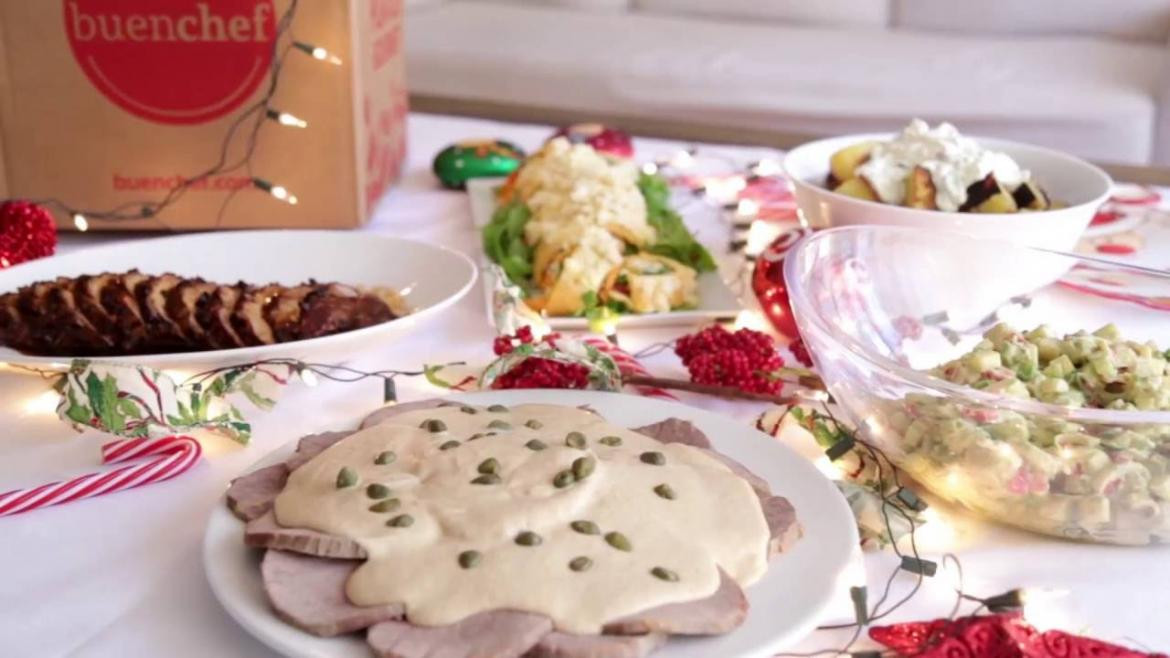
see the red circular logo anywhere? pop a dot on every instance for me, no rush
(182, 61)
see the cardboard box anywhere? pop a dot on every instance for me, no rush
(120, 105)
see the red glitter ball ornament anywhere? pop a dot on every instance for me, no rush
(27, 232)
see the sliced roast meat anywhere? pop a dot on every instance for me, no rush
(335, 308)
(14, 331)
(250, 496)
(182, 306)
(216, 317)
(87, 292)
(311, 446)
(283, 312)
(782, 522)
(676, 430)
(162, 332)
(71, 330)
(249, 319)
(721, 612)
(568, 645)
(309, 593)
(494, 634)
(120, 303)
(265, 532)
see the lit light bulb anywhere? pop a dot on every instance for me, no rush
(747, 208)
(80, 222)
(317, 52)
(286, 119)
(1040, 609)
(827, 468)
(682, 160)
(277, 191)
(750, 319)
(649, 168)
(309, 377)
(766, 167)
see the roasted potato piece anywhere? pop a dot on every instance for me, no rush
(843, 164)
(856, 188)
(920, 192)
(988, 196)
(1029, 195)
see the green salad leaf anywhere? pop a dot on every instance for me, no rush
(503, 241)
(674, 239)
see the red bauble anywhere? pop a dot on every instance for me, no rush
(27, 232)
(768, 282)
(602, 138)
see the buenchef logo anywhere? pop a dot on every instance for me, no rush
(179, 61)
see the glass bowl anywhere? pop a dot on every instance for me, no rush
(878, 306)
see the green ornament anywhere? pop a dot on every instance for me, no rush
(478, 158)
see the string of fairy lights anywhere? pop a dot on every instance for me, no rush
(248, 124)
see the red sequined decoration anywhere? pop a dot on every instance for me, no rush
(993, 636)
(27, 232)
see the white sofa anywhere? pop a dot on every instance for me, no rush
(1087, 76)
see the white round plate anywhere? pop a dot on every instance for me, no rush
(430, 277)
(785, 605)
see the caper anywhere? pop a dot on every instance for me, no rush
(585, 527)
(500, 425)
(468, 410)
(434, 425)
(618, 541)
(652, 457)
(388, 505)
(575, 440)
(497, 408)
(583, 467)
(401, 521)
(346, 477)
(664, 491)
(580, 563)
(534, 424)
(564, 479)
(528, 538)
(664, 574)
(535, 444)
(487, 478)
(377, 491)
(385, 457)
(448, 403)
(469, 559)
(475, 437)
(447, 445)
(489, 465)
(611, 441)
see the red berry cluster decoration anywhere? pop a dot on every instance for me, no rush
(800, 352)
(536, 372)
(27, 232)
(743, 359)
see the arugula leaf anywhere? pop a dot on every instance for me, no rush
(674, 239)
(503, 241)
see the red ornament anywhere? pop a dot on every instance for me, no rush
(992, 636)
(743, 360)
(27, 232)
(768, 282)
(601, 138)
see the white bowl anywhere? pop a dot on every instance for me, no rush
(1081, 186)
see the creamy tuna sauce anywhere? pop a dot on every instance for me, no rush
(713, 520)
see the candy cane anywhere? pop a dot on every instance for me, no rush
(628, 365)
(174, 455)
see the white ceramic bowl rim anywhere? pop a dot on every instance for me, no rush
(1106, 183)
(801, 304)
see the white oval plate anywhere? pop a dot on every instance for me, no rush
(431, 278)
(785, 605)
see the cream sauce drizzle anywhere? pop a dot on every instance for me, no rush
(714, 521)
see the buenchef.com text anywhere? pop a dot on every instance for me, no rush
(234, 182)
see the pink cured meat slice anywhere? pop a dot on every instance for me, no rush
(567, 645)
(493, 634)
(721, 612)
(309, 593)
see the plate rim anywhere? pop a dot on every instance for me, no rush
(221, 521)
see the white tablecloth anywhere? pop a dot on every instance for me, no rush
(122, 575)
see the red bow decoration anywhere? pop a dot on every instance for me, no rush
(993, 636)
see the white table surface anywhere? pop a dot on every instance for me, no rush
(121, 575)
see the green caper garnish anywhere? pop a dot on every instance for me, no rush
(564, 479)
(475, 437)
(664, 574)
(489, 465)
(487, 478)
(388, 505)
(583, 467)
(652, 457)
(618, 541)
(580, 563)
(448, 403)
(469, 559)
(497, 408)
(401, 521)
(468, 410)
(575, 440)
(665, 491)
(447, 445)
(611, 441)
(585, 527)
(528, 538)
(385, 457)
(377, 491)
(534, 424)
(535, 444)
(434, 425)
(500, 425)
(346, 477)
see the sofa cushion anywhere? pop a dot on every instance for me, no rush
(872, 13)
(1092, 97)
(1123, 19)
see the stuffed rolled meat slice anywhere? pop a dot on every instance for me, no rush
(647, 283)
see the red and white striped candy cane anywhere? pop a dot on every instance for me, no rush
(173, 456)
(628, 365)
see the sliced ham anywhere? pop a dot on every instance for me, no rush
(782, 522)
(250, 496)
(309, 593)
(567, 645)
(721, 612)
(495, 634)
(676, 430)
(265, 532)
